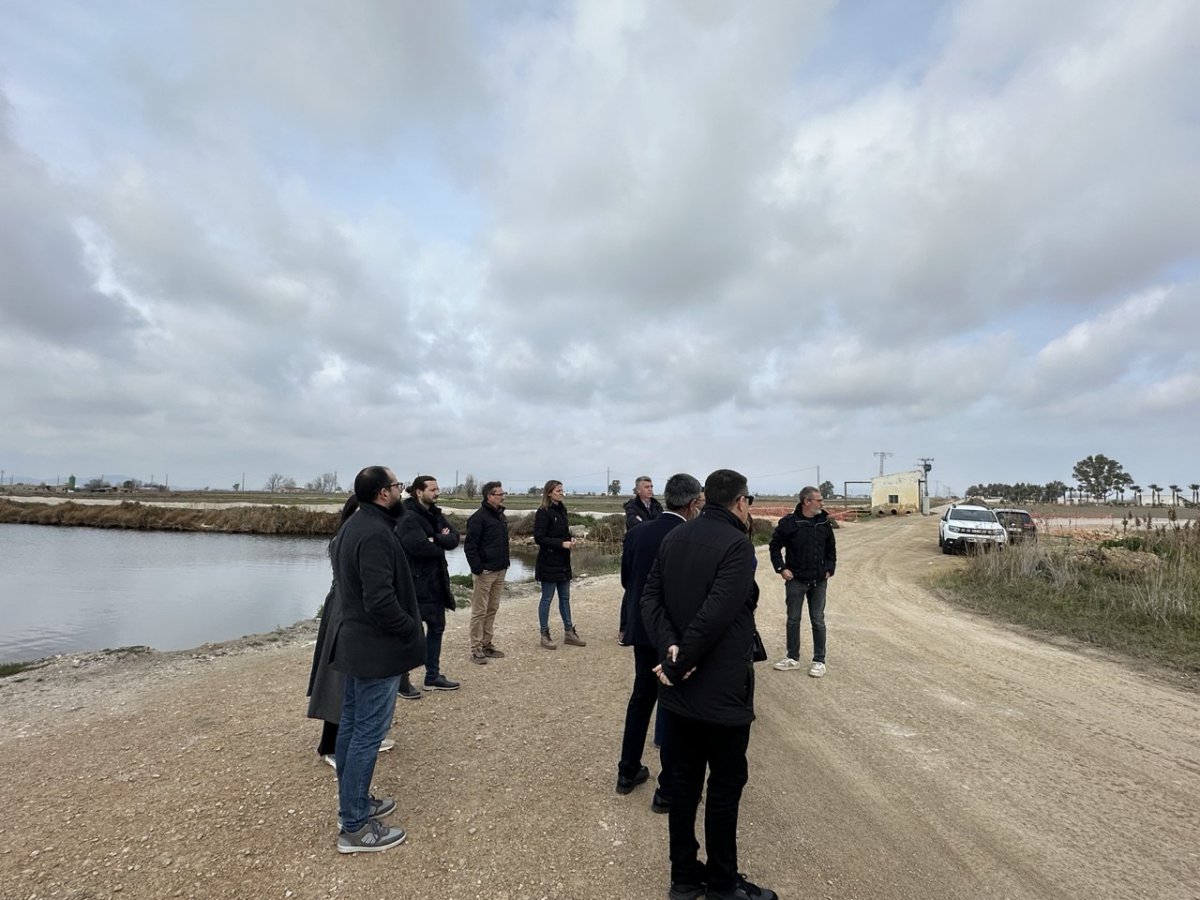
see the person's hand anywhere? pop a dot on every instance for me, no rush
(445, 531)
(658, 670)
(567, 545)
(786, 574)
(828, 574)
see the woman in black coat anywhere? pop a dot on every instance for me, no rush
(553, 568)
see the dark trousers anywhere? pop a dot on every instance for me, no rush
(692, 747)
(435, 626)
(637, 714)
(795, 593)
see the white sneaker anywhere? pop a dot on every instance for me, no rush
(787, 663)
(816, 670)
(386, 744)
(328, 757)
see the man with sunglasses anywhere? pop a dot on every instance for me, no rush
(698, 608)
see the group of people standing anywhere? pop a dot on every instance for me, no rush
(390, 577)
(688, 610)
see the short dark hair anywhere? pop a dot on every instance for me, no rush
(349, 508)
(369, 482)
(681, 490)
(489, 486)
(418, 484)
(723, 487)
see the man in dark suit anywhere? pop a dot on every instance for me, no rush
(684, 497)
(698, 608)
(378, 639)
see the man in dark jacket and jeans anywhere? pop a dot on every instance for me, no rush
(486, 549)
(426, 535)
(804, 553)
(379, 637)
(698, 607)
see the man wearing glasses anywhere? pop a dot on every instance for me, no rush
(486, 549)
(698, 608)
(379, 639)
(804, 553)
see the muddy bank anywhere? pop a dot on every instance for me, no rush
(292, 520)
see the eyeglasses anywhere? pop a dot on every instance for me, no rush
(498, 494)
(749, 499)
(395, 484)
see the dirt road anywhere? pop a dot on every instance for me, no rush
(942, 757)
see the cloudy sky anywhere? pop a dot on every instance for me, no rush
(541, 239)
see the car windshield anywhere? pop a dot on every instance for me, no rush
(1015, 518)
(973, 515)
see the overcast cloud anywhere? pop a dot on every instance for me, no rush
(589, 240)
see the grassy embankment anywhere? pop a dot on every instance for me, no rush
(1138, 593)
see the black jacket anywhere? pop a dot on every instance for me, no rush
(486, 546)
(425, 546)
(637, 557)
(636, 513)
(550, 529)
(701, 596)
(380, 632)
(805, 546)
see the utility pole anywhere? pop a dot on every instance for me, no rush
(882, 454)
(926, 465)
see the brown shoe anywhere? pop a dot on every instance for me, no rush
(547, 642)
(493, 653)
(479, 657)
(571, 636)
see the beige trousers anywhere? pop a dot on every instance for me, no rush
(485, 601)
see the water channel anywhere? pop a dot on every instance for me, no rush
(65, 590)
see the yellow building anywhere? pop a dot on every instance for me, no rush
(897, 495)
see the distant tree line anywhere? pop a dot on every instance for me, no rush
(1097, 478)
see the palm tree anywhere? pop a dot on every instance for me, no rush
(1174, 494)
(1155, 490)
(1195, 489)
(1137, 494)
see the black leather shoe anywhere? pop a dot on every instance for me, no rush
(441, 683)
(681, 891)
(659, 804)
(745, 890)
(625, 785)
(408, 692)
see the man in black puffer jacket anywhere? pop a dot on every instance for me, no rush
(698, 608)
(486, 549)
(426, 535)
(804, 553)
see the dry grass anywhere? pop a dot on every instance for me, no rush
(1139, 593)
(142, 516)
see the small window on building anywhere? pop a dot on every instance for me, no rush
(893, 498)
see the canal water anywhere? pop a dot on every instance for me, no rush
(65, 590)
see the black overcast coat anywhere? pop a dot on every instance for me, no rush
(637, 558)
(636, 513)
(701, 596)
(420, 530)
(804, 545)
(380, 634)
(550, 529)
(486, 546)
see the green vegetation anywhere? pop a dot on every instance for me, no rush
(1138, 594)
(7, 669)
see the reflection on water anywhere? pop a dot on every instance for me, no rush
(72, 589)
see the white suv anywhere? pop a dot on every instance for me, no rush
(965, 526)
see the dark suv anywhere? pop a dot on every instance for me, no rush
(1018, 523)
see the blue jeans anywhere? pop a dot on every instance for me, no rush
(796, 592)
(367, 709)
(564, 603)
